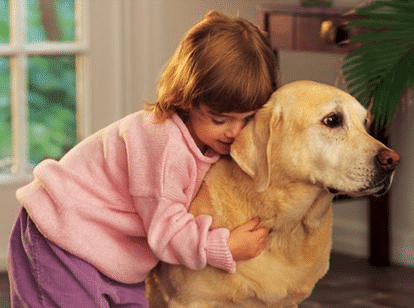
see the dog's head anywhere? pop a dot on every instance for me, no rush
(315, 133)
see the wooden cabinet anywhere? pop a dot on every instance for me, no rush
(305, 29)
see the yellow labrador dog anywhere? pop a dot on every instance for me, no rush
(306, 144)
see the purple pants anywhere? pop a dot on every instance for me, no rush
(43, 275)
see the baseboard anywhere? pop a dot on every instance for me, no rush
(403, 247)
(350, 237)
(3, 262)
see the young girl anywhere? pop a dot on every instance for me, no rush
(96, 222)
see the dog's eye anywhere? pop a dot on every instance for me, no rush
(333, 120)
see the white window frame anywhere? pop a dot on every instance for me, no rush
(18, 51)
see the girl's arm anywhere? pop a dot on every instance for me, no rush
(246, 241)
(177, 237)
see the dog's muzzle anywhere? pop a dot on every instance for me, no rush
(385, 163)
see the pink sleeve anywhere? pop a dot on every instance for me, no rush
(218, 252)
(177, 237)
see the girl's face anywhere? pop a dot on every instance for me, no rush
(216, 131)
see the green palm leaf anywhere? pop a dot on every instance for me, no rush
(381, 67)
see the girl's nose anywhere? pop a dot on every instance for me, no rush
(233, 130)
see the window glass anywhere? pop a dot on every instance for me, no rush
(4, 21)
(5, 116)
(51, 20)
(52, 106)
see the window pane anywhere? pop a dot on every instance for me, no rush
(4, 21)
(51, 20)
(5, 119)
(52, 106)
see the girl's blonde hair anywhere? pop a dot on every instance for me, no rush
(222, 62)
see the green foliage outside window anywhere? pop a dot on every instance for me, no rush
(51, 85)
(5, 129)
(4, 22)
(52, 110)
(42, 25)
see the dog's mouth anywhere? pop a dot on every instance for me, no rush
(384, 186)
(333, 191)
(376, 188)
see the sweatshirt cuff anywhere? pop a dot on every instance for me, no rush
(218, 252)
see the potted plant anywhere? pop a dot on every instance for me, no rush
(381, 67)
(379, 71)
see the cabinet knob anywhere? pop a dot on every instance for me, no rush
(334, 34)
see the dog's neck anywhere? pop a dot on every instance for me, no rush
(293, 202)
(288, 200)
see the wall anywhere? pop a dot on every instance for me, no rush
(402, 197)
(9, 208)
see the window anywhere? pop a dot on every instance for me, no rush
(42, 93)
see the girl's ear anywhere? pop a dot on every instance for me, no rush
(252, 148)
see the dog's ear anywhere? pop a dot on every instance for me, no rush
(370, 118)
(251, 149)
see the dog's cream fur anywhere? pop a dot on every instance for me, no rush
(309, 139)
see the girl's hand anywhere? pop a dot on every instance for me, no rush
(248, 240)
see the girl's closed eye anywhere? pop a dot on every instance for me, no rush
(218, 120)
(248, 119)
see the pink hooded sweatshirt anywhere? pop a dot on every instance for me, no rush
(120, 198)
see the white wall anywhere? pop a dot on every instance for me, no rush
(402, 197)
(9, 209)
(180, 15)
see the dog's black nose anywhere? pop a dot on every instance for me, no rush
(388, 159)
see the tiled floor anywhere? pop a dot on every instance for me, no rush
(350, 283)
